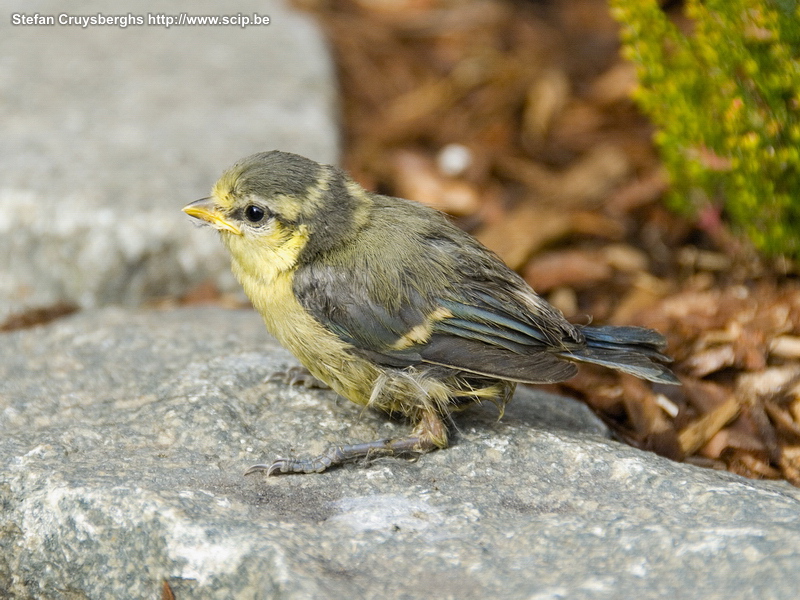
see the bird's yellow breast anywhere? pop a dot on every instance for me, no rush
(266, 273)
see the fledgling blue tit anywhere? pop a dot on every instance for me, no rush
(393, 307)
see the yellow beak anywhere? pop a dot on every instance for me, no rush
(207, 210)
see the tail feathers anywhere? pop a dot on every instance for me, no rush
(633, 350)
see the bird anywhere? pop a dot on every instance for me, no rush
(389, 304)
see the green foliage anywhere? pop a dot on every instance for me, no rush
(726, 102)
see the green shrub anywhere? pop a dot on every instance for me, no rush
(725, 100)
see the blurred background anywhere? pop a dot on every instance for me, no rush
(635, 161)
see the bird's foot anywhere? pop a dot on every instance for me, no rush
(429, 434)
(339, 455)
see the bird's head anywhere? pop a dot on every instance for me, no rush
(282, 208)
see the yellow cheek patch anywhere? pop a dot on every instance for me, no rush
(264, 257)
(286, 244)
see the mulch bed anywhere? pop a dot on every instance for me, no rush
(516, 119)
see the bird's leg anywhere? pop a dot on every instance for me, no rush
(298, 375)
(429, 434)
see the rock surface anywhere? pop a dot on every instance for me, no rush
(109, 131)
(124, 436)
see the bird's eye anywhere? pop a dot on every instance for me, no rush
(254, 213)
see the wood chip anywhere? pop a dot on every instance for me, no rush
(767, 383)
(667, 405)
(749, 465)
(697, 434)
(790, 464)
(37, 316)
(794, 404)
(545, 113)
(710, 361)
(787, 428)
(785, 346)
(624, 257)
(766, 430)
(703, 260)
(564, 299)
(166, 591)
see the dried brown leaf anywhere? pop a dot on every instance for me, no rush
(703, 260)
(731, 438)
(545, 99)
(645, 291)
(573, 268)
(601, 390)
(523, 231)
(584, 183)
(766, 431)
(541, 99)
(639, 192)
(788, 430)
(577, 127)
(419, 179)
(615, 85)
(651, 426)
(755, 466)
(529, 227)
(704, 396)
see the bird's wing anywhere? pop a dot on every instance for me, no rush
(464, 327)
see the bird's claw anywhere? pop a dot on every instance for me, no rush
(291, 465)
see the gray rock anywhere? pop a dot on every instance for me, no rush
(124, 436)
(109, 131)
